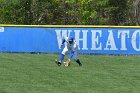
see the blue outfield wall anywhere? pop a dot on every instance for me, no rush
(90, 39)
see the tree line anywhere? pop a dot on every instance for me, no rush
(70, 12)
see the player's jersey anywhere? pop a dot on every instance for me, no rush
(71, 46)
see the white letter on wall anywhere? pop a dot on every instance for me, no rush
(123, 34)
(77, 38)
(134, 40)
(110, 42)
(95, 40)
(61, 34)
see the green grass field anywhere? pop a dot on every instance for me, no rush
(38, 73)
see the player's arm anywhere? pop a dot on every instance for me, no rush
(63, 41)
(74, 46)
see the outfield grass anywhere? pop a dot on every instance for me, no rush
(37, 73)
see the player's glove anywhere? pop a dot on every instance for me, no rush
(61, 45)
(67, 63)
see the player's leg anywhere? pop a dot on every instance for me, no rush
(75, 56)
(67, 63)
(65, 50)
(71, 54)
(78, 61)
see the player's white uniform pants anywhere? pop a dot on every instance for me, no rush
(69, 49)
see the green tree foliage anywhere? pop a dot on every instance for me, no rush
(67, 12)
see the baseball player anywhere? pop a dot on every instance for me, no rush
(70, 47)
